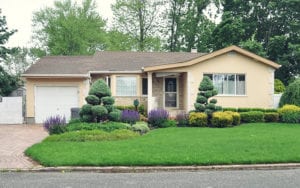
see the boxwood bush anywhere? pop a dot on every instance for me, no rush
(252, 116)
(221, 119)
(198, 119)
(289, 114)
(106, 126)
(236, 117)
(271, 117)
(140, 127)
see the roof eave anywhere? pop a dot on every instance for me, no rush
(55, 75)
(212, 55)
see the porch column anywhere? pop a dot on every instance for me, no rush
(150, 99)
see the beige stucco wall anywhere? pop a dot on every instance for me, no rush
(31, 83)
(259, 80)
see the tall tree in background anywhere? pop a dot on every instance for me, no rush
(8, 83)
(69, 29)
(272, 25)
(140, 20)
(188, 26)
(4, 36)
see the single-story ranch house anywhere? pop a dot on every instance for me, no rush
(167, 80)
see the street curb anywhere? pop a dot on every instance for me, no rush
(148, 169)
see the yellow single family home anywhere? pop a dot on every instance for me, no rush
(169, 80)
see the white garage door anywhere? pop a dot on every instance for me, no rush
(51, 101)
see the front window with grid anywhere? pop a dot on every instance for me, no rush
(126, 86)
(229, 84)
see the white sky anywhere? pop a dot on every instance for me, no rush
(19, 14)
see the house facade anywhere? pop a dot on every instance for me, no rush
(167, 80)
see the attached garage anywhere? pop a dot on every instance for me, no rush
(54, 100)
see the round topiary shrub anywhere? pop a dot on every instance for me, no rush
(115, 115)
(92, 99)
(201, 99)
(100, 112)
(100, 89)
(291, 94)
(109, 108)
(86, 109)
(108, 100)
(87, 118)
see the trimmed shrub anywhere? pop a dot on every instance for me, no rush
(92, 135)
(230, 109)
(203, 104)
(157, 116)
(198, 119)
(221, 119)
(100, 89)
(108, 100)
(99, 112)
(142, 110)
(130, 116)
(236, 117)
(106, 126)
(271, 117)
(87, 118)
(182, 119)
(92, 99)
(252, 117)
(289, 114)
(55, 124)
(278, 86)
(115, 115)
(291, 94)
(140, 127)
(109, 108)
(86, 109)
(270, 110)
(169, 123)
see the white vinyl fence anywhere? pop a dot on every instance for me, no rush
(276, 100)
(11, 110)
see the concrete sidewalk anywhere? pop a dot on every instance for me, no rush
(14, 139)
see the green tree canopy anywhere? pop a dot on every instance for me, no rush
(140, 20)
(69, 29)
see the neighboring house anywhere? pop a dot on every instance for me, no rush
(167, 80)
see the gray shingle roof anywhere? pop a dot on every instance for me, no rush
(107, 61)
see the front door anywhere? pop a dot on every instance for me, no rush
(170, 93)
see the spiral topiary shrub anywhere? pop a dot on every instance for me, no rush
(94, 111)
(203, 103)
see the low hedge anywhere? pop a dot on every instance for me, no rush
(236, 117)
(92, 135)
(106, 126)
(252, 117)
(271, 117)
(197, 119)
(221, 119)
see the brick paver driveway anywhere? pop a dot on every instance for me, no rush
(14, 139)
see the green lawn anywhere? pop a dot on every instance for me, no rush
(245, 144)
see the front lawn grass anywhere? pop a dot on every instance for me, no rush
(245, 144)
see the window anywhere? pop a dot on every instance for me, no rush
(145, 86)
(107, 79)
(228, 84)
(126, 86)
(170, 92)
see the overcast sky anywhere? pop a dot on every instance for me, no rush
(19, 14)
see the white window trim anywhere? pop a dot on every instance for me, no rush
(136, 89)
(235, 74)
(177, 93)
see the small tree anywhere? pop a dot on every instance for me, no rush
(203, 101)
(99, 103)
(291, 94)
